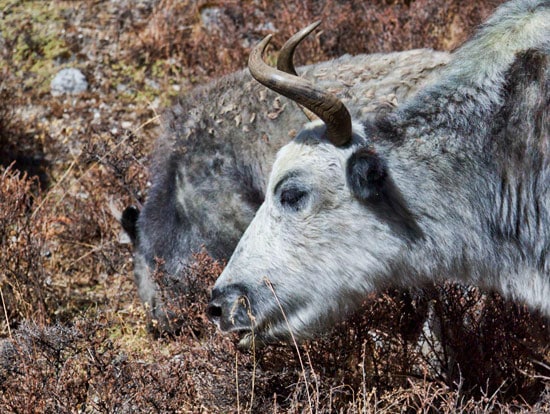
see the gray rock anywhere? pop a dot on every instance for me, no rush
(68, 81)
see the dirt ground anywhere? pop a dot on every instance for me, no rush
(75, 337)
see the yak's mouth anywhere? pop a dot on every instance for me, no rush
(233, 311)
(239, 318)
(250, 340)
(259, 336)
(259, 317)
(243, 323)
(231, 317)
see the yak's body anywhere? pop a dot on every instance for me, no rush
(455, 182)
(212, 164)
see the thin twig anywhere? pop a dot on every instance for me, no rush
(253, 347)
(5, 312)
(237, 381)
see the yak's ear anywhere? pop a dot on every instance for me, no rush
(128, 220)
(366, 174)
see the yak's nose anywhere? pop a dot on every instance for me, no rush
(214, 308)
(229, 308)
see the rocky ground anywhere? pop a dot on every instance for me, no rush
(73, 154)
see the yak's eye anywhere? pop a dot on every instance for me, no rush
(293, 198)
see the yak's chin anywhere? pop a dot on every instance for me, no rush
(249, 340)
(278, 331)
(254, 334)
(258, 339)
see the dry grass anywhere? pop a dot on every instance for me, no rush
(75, 338)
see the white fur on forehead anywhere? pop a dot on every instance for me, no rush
(314, 132)
(311, 149)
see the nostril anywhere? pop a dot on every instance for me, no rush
(214, 312)
(226, 308)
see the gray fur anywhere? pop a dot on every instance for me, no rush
(455, 182)
(211, 166)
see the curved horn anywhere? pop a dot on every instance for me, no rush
(323, 104)
(286, 54)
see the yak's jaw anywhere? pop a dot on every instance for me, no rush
(262, 316)
(282, 305)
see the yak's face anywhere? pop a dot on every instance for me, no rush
(314, 247)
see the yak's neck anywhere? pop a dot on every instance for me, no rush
(470, 90)
(480, 135)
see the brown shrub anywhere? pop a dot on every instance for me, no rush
(370, 362)
(185, 296)
(490, 345)
(220, 44)
(25, 291)
(89, 368)
(19, 148)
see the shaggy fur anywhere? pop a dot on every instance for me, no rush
(454, 182)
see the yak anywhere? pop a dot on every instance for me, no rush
(453, 181)
(211, 165)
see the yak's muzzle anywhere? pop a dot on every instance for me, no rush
(230, 309)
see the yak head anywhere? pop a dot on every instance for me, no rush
(331, 211)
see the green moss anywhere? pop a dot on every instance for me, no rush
(158, 69)
(140, 82)
(55, 48)
(32, 33)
